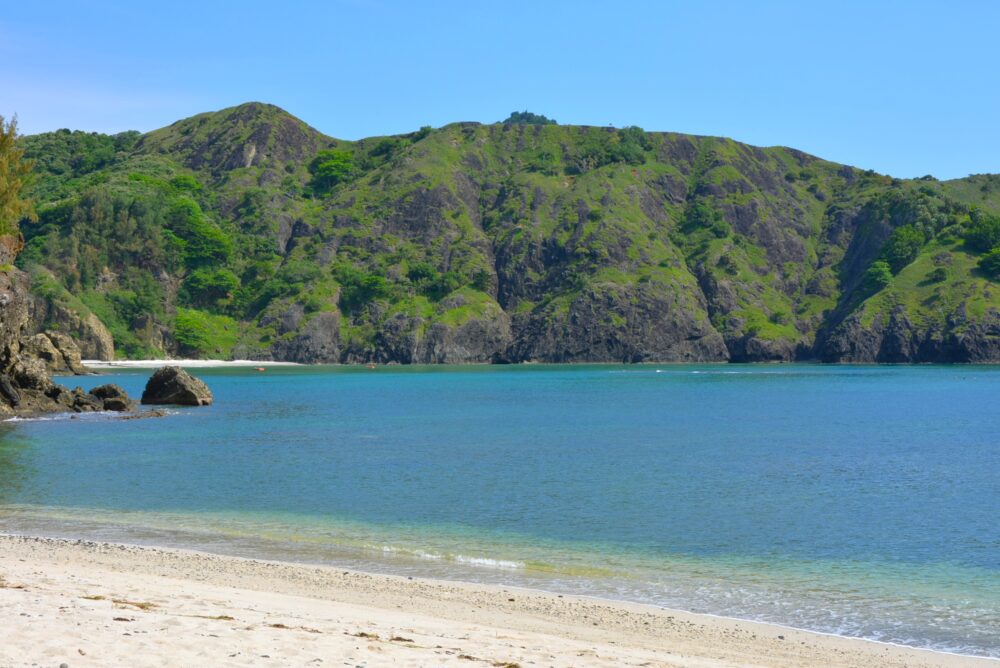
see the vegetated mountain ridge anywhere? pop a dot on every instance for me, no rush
(246, 233)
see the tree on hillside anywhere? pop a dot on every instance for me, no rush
(14, 171)
(983, 231)
(990, 264)
(528, 118)
(902, 247)
(331, 167)
(878, 276)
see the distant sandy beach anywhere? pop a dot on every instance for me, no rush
(98, 604)
(153, 364)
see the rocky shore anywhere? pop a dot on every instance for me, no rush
(27, 362)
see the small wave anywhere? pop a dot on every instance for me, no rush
(488, 563)
(57, 417)
(93, 416)
(481, 562)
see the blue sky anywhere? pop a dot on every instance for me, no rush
(906, 88)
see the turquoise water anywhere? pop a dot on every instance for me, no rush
(863, 501)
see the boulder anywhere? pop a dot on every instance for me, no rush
(113, 398)
(173, 385)
(81, 401)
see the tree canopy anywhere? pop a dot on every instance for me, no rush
(331, 167)
(14, 172)
(528, 118)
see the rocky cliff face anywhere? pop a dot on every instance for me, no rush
(26, 362)
(90, 335)
(247, 233)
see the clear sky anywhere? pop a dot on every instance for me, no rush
(906, 88)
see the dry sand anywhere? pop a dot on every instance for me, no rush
(191, 364)
(97, 604)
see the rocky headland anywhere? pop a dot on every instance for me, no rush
(27, 361)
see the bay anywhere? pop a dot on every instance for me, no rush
(854, 500)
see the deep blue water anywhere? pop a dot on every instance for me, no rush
(855, 500)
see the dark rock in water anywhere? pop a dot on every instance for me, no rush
(173, 385)
(142, 415)
(85, 402)
(113, 397)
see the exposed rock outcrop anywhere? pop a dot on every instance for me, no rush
(618, 324)
(59, 352)
(88, 332)
(895, 339)
(25, 362)
(411, 340)
(317, 342)
(174, 385)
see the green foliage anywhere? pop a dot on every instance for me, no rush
(293, 277)
(436, 285)
(359, 287)
(938, 275)
(878, 276)
(598, 147)
(481, 280)
(631, 147)
(14, 172)
(185, 182)
(204, 243)
(989, 264)
(422, 272)
(63, 156)
(106, 308)
(983, 232)
(902, 247)
(210, 287)
(701, 216)
(388, 146)
(528, 118)
(331, 167)
(444, 285)
(205, 335)
(424, 131)
(919, 208)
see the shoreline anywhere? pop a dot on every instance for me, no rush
(208, 363)
(190, 363)
(427, 622)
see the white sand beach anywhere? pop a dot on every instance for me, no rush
(189, 363)
(97, 604)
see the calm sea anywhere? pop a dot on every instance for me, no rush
(862, 501)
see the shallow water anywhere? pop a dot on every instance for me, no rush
(854, 500)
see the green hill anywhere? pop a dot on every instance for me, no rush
(247, 233)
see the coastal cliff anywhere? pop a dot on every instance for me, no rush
(247, 233)
(26, 362)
